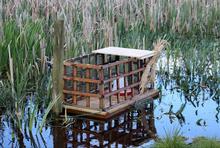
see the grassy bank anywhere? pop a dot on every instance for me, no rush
(178, 142)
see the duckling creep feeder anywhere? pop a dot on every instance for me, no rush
(107, 81)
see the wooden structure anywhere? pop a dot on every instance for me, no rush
(105, 82)
(131, 128)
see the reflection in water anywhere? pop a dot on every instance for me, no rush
(130, 128)
(190, 100)
(190, 84)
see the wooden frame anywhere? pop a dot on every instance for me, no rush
(91, 78)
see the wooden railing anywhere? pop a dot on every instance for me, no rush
(93, 76)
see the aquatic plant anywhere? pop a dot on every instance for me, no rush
(203, 142)
(172, 140)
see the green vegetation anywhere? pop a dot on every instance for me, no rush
(171, 141)
(202, 142)
(178, 142)
(26, 40)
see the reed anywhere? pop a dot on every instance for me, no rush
(27, 26)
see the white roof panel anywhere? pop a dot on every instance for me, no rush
(128, 52)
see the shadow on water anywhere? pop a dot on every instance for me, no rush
(131, 128)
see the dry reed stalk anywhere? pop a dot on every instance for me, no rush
(11, 74)
(149, 72)
(151, 10)
(87, 19)
(35, 9)
(108, 33)
(43, 55)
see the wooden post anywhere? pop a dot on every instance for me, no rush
(125, 82)
(74, 85)
(88, 87)
(58, 68)
(101, 89)
(117, 80)
(110, 86)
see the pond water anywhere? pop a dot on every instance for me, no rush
(189, 102)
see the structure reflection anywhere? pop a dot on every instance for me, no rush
(131, 128)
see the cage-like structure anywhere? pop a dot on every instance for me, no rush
(103, 82)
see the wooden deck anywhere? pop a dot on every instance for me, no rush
(115, 109)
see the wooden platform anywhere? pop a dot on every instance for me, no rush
(94, 112)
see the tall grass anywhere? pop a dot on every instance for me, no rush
(26, 27)
(96, 23)
(173, 140)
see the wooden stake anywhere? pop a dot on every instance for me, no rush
(58, 68)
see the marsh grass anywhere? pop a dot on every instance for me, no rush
(202, 142)
(177, 141)
(27, 28)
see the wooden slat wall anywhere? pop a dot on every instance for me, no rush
(92, 75)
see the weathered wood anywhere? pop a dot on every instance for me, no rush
(125, 82)
(79, 93)
(121, 89)
(111, 111)
(118, 62)
(118, 87)
(58, 68)
(87, 80)
(110, 86)
(87, 88)
(84, 66)
(101, 71)
(128, 52)
(124, 75)
(101, 89)
(74, 85)
(132, 77)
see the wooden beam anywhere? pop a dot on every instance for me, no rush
(87, 80)
(79, 93)
(58, 68)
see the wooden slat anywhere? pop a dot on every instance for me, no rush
(84, 109)
(125, 83)
(118, 62)
(110, 86)
(68, 63)
(80, 93)
(74, 86)
(87, 80)
(145, 96)
(101, 89)
(132, 77)
(110, 112)
(118, 87)
(121, 89)
(87, 66)
(87, 88)
(124, 75)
